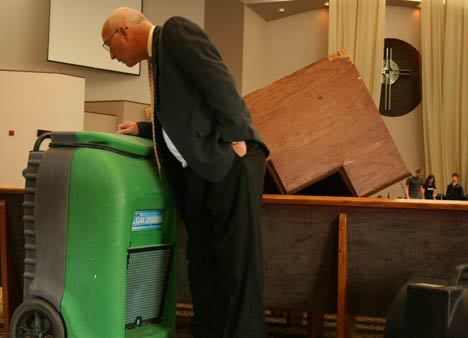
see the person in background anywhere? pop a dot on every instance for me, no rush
(214, 160)
(454, 189)
(429, 188)
(413, 185)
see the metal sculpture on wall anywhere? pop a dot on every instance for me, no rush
(401, 80)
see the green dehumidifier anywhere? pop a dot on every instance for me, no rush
(100, 230)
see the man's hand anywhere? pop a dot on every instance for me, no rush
(128, 128)
(240, 148)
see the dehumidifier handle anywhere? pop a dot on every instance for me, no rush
(458, 273)
(39, 140)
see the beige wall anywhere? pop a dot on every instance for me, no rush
(254, 52)
(278, 48)
(295, 42)
(25, 46)
(407, 131)
(224, 22)
(99, 122)
(31, 101)
(120, 111)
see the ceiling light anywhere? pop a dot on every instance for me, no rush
(326, 4)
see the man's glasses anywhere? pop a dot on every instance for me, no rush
(106, 44)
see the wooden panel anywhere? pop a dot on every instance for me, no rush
(321, 120)
(122, 110)
(99, 122)
(341, 308)
(300, 255)
(386, 247)
(11, 250)
(385, 203)
(4, 267)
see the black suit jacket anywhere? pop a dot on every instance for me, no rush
(197, 102)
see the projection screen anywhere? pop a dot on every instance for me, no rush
(75, 33)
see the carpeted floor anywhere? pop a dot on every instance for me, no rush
(278, 330)
(278, 326)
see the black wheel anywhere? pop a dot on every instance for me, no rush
(36, 318)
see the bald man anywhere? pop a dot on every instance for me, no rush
(214, 160)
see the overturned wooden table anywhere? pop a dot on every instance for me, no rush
(322, 125)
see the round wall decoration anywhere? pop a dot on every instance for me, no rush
(401, 78)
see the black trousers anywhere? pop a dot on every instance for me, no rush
(224, 249)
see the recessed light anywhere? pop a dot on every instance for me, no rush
(281, 10)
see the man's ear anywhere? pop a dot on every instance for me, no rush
(124, 31)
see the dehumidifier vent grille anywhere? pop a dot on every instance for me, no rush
(147, 276)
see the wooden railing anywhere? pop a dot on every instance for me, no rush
(366, 202)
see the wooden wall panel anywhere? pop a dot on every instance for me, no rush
(321, 120)
(389, 242)
(12, 250)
